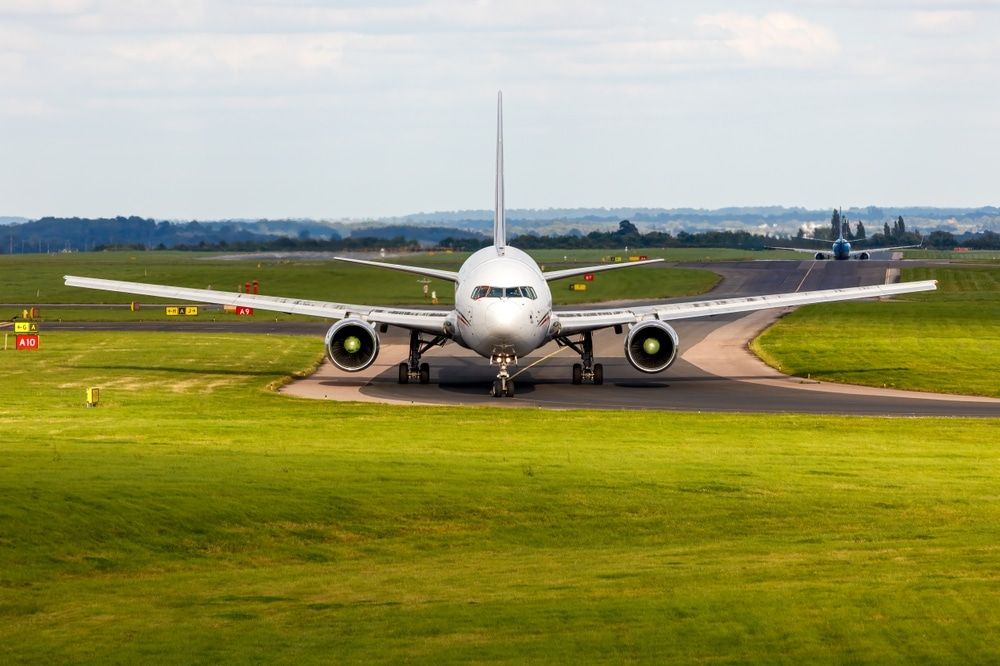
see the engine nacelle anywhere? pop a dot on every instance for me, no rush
(651, 346)
(352, 344)
(863, 256)
(820, 256)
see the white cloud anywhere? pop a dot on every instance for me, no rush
(44, 7)
(942, 21)
(774, 39)
(407, 85)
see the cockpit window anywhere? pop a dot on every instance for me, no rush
(503, 292)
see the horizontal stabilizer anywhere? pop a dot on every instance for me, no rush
(571, 272)
(451, 276)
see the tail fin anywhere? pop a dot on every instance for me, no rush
(499, 223)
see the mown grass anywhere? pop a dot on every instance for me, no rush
(38, 279)
(195, 517)
(973, 256)
(945, 341)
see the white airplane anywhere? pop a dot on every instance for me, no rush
(503, 311)
(841, 249)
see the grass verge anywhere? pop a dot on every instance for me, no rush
(947, 341)
(196, 517)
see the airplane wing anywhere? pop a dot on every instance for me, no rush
(451, 276)
(577, 321)
(429, 321)
(570, 272)
(872, 250)
(794, 249)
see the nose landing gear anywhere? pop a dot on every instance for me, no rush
(503, 385)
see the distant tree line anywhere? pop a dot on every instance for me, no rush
(51, 234)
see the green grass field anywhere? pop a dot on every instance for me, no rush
(196, 517)
(944, 341)
(38, 279)
(974, 256)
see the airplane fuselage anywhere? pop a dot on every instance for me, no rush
(502, 303)
(841, 249)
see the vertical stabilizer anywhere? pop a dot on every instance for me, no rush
(499, 222)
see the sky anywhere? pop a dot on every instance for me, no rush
(184, 109)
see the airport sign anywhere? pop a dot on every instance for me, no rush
(244, 311)
(175, 310)
(26, 342)
(25, 327)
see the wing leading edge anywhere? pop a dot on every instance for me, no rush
(431, 321)
(577, 321)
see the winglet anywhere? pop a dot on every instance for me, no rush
(499, 223)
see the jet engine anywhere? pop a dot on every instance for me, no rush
(352, 344)
(820, 256)
(651, 346)
(864, 255)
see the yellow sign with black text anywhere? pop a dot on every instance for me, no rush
(25, 327)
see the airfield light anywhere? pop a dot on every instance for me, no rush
(352, 344)
(651, 346)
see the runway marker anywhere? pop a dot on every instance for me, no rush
(811, 266)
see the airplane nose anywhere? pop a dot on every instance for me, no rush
(503, 319)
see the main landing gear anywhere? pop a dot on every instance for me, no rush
(503, 385)
(414, 370)
(587, 371)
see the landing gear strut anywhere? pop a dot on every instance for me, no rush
(503, 385)
(414, 370)
(587, 371)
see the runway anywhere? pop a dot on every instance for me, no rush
(714, 373)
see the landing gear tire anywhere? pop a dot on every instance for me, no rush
(425, 373)
(577, 373)
(510, 389)
(496, 391)
(404, 373)
(598, 374)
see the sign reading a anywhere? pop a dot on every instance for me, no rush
(25, 327)
(174, 310)
(27, 342)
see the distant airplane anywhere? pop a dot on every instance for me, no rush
(842, 248)
(503, 311)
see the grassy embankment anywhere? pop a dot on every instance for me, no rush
(38, 279)
(946, 341)
(195, 518)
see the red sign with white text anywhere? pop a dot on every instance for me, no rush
(244, 311)
(27, 342)
(589, 277)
